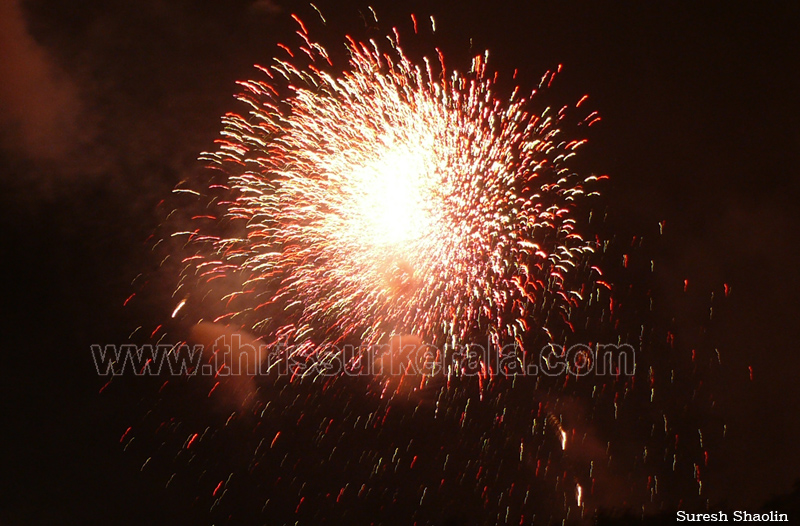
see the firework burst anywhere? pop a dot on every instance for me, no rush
(390, 199)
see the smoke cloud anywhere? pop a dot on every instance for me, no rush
(39, 104)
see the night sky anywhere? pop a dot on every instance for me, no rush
(105, 107)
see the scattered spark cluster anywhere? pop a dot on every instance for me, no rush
(400, 199)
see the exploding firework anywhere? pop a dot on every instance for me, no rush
(390, 199)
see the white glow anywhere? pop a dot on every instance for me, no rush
(391, 200)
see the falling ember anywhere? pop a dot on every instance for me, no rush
(388, 199)
(562, 434)
(178, 308)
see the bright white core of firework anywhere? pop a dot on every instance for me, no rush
(388, 193)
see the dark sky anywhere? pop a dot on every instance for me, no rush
(106, 106)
